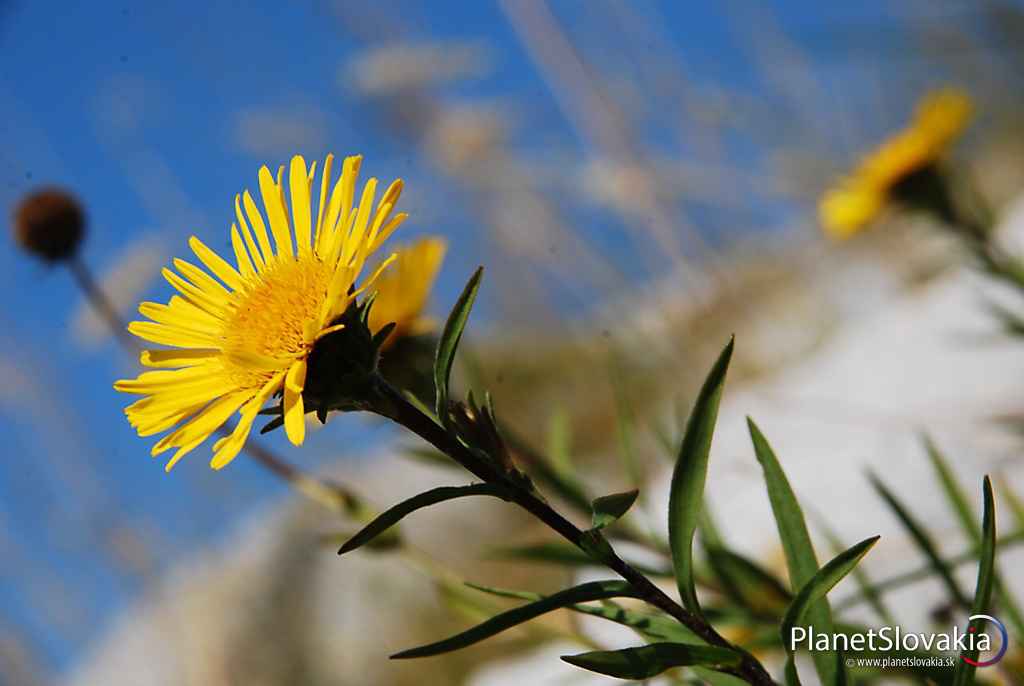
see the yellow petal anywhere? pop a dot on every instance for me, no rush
(388, 229)
(337, 295)
(294, 411)
(178, 318)
(298, 182)
(245, 265)
(176, 358)
(349, 176)
(203, 425)
(167, 402)
(179, 305)
(155, 424)
(276, 214)
(355, 239)
(228, 448)
(216, 264)
(257, 257)
(167, 335)
(200, 278)
(258, 227)
(166, 380)
(204, 300)
(325, 179)
(204, 422)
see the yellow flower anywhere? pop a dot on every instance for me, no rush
(245, 335)
(858, 198)
(402, 291)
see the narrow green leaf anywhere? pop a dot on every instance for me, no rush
(652, 625)
(559, 443)
(394, 514)
(964, 673)
(954, 494)
(567, 555)
(663, 436)
(921, 539)
(691, 469)
(421, 406)
(865, 585)
(927, 571)
(711, 539)
(651, 660)
(458, 599)
(448, 343)
(759, 589)
(801, 560)
(961, 507)
(505, 592)
(609, 508)
(820, 584)
(554, 552)
(594, 590)
(1014, 502)
(624, 425)
(431, 456)
(792, 678)
(710, 534)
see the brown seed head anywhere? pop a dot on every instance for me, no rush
(50, 224)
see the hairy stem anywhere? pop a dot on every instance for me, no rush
(391, 404)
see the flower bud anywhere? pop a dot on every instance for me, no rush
(50, 224)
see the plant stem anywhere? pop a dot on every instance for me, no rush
(389, 403)
(101, 303)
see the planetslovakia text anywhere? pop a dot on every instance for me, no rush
(889, 638)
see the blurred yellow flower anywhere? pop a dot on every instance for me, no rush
(403, 290)
(859, 197)
(238, 341)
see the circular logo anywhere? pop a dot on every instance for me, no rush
(1002, 647)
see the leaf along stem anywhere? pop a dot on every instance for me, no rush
(391, 404)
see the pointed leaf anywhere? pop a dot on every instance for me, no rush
(449, 342)
(594, 590)
(650, 660)
(868, 591)
(555, 552)
(922, 539)
(961, 507)
(954, 493)
(964, 673)
(820, 584)
(393, 515)
(609, 508)
(687, 492)
(801, 560)
(652, 625)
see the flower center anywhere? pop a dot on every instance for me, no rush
(270, 318)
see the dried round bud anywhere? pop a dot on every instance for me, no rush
(50, 224)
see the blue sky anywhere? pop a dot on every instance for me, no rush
(140, 108)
